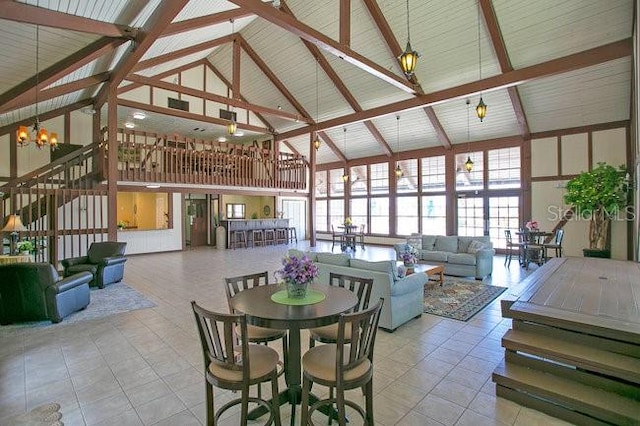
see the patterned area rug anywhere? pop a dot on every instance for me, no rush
(458, 299)
(113, 299)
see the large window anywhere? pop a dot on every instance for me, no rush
(470, 216)
(473, 180)
(358, 181)
(503, 214)
(336, 212)
(379, 207)
(358, 211)
(434, 215)
(409, 180)
(433, 174)
(321, 215)
(336, 184)
(504, 168)
(379, 178)
(406, 215)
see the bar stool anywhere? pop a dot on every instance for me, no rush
(238, 238)
(292, 234)
(282, 235)
(257, 236)
(269, 236)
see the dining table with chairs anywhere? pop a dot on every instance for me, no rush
(533, 245)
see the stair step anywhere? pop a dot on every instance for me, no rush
(582, 356)
(587, 400)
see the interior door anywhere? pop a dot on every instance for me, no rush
(199, 223)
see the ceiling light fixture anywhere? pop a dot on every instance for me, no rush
(398, 170)
(481, 108)
(468, 165)
(345, 176)
(409, 58)
(232, 126)
(316, 142)
(39, 134)
(129, 125)
(153, 186)
(139, 115)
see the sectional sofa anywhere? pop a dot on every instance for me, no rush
(403, 297)
(461, 256)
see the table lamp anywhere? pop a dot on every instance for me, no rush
(13, 225)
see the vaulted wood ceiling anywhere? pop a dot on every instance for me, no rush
(329, 64)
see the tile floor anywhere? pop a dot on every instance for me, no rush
(144, 367)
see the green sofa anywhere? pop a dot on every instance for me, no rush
(34, 291)
(403, 297)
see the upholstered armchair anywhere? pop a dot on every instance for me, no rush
(105, 261)
(35, 291)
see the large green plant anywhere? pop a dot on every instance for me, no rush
(598, 195)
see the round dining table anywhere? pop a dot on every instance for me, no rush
(262, 311)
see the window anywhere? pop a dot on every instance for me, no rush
(336, 212)
(409, 180)
(139, 210)
(380, 179)
(359, 180)
(503, 214)
(433, 174)
(379, 208)
(406, 215)
(434, 215)
(321, 184)
(336, 184)
(321, 215)
(235, 211)
(504, 168)
(358, 211)
(473, 180)
(470, 216)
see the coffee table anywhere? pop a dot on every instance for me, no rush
(436, 271)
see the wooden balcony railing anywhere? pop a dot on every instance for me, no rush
(145, 157)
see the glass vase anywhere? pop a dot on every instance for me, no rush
(296, 290)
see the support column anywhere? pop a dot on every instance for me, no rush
(311, 222)
(112, 163)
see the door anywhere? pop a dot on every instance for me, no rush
(197, 210)
(296, 212)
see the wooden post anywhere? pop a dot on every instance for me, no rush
(312, 191)
(112, 163)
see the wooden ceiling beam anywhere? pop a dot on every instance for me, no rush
(27, 89)
(235, 70)
(163, 74)
(161, 17)
(289, 23)
(45, 116)
(396, 50)
(176, 54)
(274, 79)
(291, 148)
(242, 98)
(497, 41)
(332, 146)
(210, 96)
(20, 12)
(59, 90)
(378, 138)
(601, 54)
(188, 115)
(345, 23)
(204, 21)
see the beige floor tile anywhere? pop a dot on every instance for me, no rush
(471, 418)
(468, 378)
(454, 392)
(417, 419)
(183, 418)
(147, 392)
(439, 409)
(529, 417)
(500, 409)
(160, 409)
(105, 408)
(126, 418)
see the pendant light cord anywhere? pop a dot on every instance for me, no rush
(37, 71)
(397, 139)
(408, 33)
(479, 45)
(468, 132)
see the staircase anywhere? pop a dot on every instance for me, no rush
(581, 371)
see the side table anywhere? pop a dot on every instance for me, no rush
(6, 259)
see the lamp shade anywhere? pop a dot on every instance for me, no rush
(22, 134)
(13, 224)
(468, 165)
(316, 143)
(232, 127)
(481, 109)
(409, 60)
(398, 171)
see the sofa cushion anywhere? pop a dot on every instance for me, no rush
(428, 241)
(415, 241)
(435, 256)
(299, 254)
(462, 259)
(334, 259)
(463, 244)
(383, 266)
(446, 243)
(476, 245)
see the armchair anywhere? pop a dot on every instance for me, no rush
(104, 260)
(34, 291)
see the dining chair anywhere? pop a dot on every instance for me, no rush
(555, 244)
(346, 364)
(255, 334)
(512, 245)
(361, 235)
(336, 237)
(231, 363)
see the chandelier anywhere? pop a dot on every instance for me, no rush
(39, 135)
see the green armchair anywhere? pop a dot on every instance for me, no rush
(104, 260)
(34, 291)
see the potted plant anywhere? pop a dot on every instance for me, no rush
(25, 247)
(598, 195)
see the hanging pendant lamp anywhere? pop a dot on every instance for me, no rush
(345, 176)
(468, 165)
(481, 108)
(409, 58)
(398, 170)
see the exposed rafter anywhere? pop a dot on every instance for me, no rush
(291, 148)
(332, 146)
(505, 64)
(204, 21)
(20, 12)
(46, 115)
(164, 74)
(587, 58)
(304, 31)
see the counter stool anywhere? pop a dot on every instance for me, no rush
(292, 234)
(238, 238)
(257, 236)
(269, 236)
(282, 235)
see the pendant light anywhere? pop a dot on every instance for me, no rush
(409, 58)
(39, 135)
(468, 165)
(481, 108)
(232, 126)
(316, 142)
(398, 170)
(345, 176)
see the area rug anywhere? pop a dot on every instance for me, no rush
(458, 299)
(113, 299)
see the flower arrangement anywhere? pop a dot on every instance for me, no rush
(123, 224)
(26, 246)
(531, 225)
(409, 255)
(297, 273)
(347, 221)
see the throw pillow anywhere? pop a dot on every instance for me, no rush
(415, 241)
(447, 243)
(474, 246)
